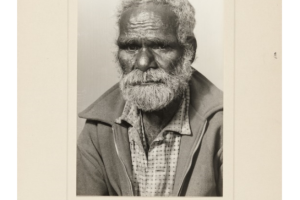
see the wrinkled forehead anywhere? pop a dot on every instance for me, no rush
(148, 19)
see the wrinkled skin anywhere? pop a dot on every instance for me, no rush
(148, 39)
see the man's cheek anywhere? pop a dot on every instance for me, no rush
(126, 61)
(168, 63)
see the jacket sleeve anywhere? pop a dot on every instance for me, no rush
(220, 163)
(90, 168)
(220, 169)
(218, 156)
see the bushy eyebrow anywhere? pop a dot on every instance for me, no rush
(138, 41)
(121, 42)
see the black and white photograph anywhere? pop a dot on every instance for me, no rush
(150, 98)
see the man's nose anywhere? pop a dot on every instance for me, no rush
(145, 60)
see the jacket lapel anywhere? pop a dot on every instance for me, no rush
(205, 100)
(188, 146)
(122, 142)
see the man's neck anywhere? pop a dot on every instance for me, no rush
(155, 121)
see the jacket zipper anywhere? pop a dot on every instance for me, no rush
(128, 179)
(190, 164)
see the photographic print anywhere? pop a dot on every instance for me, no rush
(150, 99)
(135, 98)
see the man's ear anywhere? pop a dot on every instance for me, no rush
(191, 40)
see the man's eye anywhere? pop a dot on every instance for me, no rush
(132, 47)
(160, 46)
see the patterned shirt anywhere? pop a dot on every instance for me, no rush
(154, 171)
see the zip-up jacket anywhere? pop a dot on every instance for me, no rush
(104, 164)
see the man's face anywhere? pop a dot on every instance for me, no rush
(150, 57)
(148, 39)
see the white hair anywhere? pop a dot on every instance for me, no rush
(184, 11)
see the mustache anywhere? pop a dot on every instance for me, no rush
(138, 77)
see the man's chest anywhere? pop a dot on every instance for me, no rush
(154, 168)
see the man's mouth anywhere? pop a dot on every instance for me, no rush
(150, 82)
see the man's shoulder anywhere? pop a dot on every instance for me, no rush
(107, 107)
(206, 98)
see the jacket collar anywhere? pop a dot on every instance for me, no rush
(205, 99)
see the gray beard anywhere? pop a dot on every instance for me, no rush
(161, 88)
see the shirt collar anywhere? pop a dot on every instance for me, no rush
(180, 123)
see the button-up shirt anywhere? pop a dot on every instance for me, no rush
(154, 168)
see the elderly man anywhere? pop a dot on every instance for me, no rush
(159, 131)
